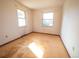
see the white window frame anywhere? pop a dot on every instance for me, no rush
(20, 18)
(48, 19)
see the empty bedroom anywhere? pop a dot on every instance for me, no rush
(39, 28)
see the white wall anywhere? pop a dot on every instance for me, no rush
(1, 20)
(70, 27)
(10, 22)
(37, 20)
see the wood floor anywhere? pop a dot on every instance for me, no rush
(50, 46)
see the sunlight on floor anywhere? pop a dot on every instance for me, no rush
(36, 49)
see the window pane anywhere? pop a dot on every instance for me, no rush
(20, 13)
(47, 22)
(48, 19)
(21, 22)
(48, 16)
(21, 18)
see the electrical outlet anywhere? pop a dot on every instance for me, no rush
(6, 36)
(73, 48)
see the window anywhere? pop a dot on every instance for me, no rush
(21, 18)
(48, 19)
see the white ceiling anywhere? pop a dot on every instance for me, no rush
(37, 4)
